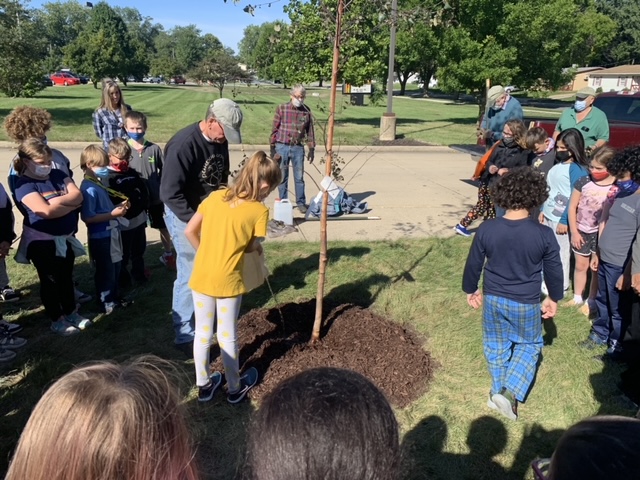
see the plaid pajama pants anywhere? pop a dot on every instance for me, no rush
(512, 340)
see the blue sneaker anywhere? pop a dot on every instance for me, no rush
(205, 393)
(593, 341)
(247, 382)
(460, 230)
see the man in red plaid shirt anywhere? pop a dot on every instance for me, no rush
(292, 128)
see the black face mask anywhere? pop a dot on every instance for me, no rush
(563, 156)
(509, 142)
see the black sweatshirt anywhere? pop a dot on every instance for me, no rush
(193, 168)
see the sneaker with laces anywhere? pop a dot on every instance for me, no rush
(6, 355)
(10, 342)
(592, 342)
(8, 294)
(63, 327)
(206, 393)
(302, 208)
(82, 297)
(10, 327)
(168, 259)
(78, 320)
(506, 403)
(460, 230)
(247, 382)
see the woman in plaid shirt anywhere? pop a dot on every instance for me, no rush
(108, 119)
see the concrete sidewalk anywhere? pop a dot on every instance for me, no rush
(416, 192)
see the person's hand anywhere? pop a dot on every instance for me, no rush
(576, 240)
(549, 308)
(594, 263)
(623, 283)
(562, 229)
(272, 150)
(4, 249)
(311, 155)
(480, 132)
(541, 218)
(502, 171)
(493, 169)
(474, 299)
(635, 282)
(487, 134)
(120, 210)
(475, 179)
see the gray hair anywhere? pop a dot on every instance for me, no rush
(298, 89)
(210, 113)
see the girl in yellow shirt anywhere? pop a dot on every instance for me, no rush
(228, 223)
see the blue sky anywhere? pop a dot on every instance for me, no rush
(225, 20)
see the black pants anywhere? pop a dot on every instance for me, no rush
(56, 277)
(134, 243)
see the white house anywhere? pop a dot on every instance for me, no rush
(623, 77)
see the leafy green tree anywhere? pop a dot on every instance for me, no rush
(218, 69)
(247, 46)
(189, 48)
(625, 47)
(103, 48)
(22, 49)
(142, 33)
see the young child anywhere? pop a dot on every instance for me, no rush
(98, 212)
(146, 159)
(228, 223)
(572, 165)
(542, 147)
(517, 250)
(108, 119)
(619, 225)
(585, 209)
(129, 183)
(49, 201)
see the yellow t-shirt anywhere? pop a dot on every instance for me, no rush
(227, 230)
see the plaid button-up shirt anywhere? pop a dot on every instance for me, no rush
(293, 126)
(109, 124)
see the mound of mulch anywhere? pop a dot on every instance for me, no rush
(352, 337)
(399, 142)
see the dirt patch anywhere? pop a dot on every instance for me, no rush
(353, 337)
(399, 142)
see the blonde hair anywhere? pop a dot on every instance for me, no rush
(93, 156)
(603, 155)
(108, 86)
(519, 132)
(28, 150)
(109, 422)
(26, 122)
(118, 147)
(259, 168)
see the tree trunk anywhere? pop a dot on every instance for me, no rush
(320, 82)
(403, 79)
(317, 323)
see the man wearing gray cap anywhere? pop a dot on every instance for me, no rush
(501, 107)
(589, 120)
(196, 163)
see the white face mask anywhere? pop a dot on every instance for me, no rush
(38, 171)
(297, 102)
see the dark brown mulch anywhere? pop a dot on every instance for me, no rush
(399, 142)
(353, 337)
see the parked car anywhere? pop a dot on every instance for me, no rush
(83, 79)
(64, 78)
(510, 88)
(623, 112)
(178, 80)
(152, 80)
(46, 81)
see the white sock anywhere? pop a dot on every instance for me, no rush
(577, 299)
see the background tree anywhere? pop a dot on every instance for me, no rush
(103, 48)
(247, 46)
(141, 33)
(189, 48)
(625, 47)
(218, 69)
(22, 49)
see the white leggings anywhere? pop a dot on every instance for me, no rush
(225, 311)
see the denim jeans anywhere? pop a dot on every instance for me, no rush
(182, 305)
(106, 272)
(295, 155)
(612, 304)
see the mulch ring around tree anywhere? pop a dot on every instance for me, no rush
(352, 337)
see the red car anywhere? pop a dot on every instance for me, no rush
(63, 78)
(179, 80)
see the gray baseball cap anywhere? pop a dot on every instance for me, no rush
(228, 113)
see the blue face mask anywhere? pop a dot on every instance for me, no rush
(627, 187)
(135, 136)
(101, 172)
(580, 105)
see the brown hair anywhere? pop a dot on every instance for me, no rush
(535, 136)
(603, 155)
(107, 421)
(136, 117)
(519, 132)
(108, 86)
(26, 122)
(259, 168)
(93, 156)
(28, 150)
(118, 147)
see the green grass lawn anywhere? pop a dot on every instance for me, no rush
(169, 108)
(448, 433)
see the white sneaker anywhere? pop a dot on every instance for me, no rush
(63, 327)
(78, 320)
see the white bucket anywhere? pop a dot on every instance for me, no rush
(283, 211)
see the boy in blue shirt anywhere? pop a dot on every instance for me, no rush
(98, 212)
(517, 249)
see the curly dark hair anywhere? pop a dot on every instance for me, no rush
(520, 188)
(627, 160)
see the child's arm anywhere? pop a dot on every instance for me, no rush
(606, 206)
(192, 232)
(119, 211)
(624, 281)
(472, 272)
(575, 174)
(576, 239)
(254, 246)
(553, 276)
(97, 123)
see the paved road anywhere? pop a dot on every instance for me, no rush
(415, 191)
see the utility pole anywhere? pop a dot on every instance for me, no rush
(388, 120)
